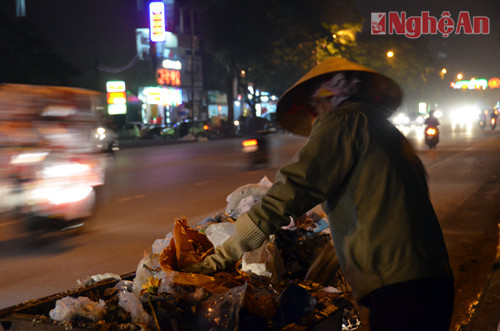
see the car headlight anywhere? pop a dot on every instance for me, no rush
(100, 133)
(65, 170)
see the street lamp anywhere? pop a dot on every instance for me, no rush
(460, 76)
(442, 73)
(390, 54)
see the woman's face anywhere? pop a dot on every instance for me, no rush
(333, 92)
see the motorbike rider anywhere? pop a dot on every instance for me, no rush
(256, 129)
(432, 120)
(494, 114)
(483, 117)
(373, 188)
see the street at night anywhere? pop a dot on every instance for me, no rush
(148, 187)
(230, 165)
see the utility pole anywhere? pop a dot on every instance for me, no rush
(20, 8)
(192, 67)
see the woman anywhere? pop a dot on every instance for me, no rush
(373, 188)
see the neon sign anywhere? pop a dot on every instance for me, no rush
(494, 82)
(168, 77)
(171, 64)
(157, 21)
(476, 84)
(116, 97)
(166, 96)
(473, 84)
(115, 86)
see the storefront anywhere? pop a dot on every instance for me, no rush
(162, 105)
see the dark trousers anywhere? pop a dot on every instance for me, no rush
(419, 305)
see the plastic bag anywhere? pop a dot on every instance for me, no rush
(221, 312)
(295, 303)
(255, 261)
(217, 233)
(69, 308)
(324, 267)
(149, 266)
(160, 244)
(244, 197)
(131, 303)
(124, 286)
(97, 278)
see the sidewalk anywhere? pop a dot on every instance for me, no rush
(133, 143)
(486, 316)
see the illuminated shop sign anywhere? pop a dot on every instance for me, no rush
(116, 97)
(168, 77)
(172, 64)
(115, 86)
(163, 96)
(476, 84)
(422, 108)
(157, 21)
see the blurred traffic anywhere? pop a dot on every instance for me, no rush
(466, 117)
(53, 148)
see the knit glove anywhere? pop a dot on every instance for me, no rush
(246, 237)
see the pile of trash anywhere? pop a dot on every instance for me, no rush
(276, 287)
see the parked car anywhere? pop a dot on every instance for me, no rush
(132, 130)
(152, 131)
(184, 128)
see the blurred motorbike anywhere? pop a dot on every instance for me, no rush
(106, 140)
(431, 136)
(482, 123)
(51, 154)
(256, 149)
(56, 191)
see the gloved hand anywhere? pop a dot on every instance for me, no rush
(247, 237)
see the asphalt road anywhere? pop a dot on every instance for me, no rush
(148, 187)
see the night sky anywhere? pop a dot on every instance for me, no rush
(84, 32)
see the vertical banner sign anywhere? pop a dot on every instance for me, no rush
(157, 21)
(117, 97)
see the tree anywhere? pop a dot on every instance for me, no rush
(276, 42)
(27, 58)
(412, 66)
(273, 42)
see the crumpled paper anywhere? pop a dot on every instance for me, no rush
(187, 247)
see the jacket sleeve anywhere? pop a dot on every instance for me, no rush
(319, 171)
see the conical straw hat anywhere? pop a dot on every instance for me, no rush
(295, 112)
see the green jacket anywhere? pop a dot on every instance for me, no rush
(373, 188)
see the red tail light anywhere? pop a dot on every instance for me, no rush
(430, 131)
(249, 142)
